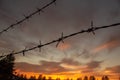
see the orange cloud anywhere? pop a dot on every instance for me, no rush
(71, 67)
(108, 45)
(63, 46)
(114, 69)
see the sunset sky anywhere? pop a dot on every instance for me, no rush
(84, 54)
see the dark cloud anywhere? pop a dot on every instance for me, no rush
(114, 69)
(86, 54)
(92, 66)
(49, 67)
(87, 70)
(45, 67)
(70, 61)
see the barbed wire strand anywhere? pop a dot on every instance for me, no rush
(91, 29)
(38, 11)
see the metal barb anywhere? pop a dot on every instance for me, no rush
(54, 2)
(62, 37)
(5, 30)
(12, 26)
(60, 40)
(42, 11)
(11, 53)
(39, 46)
(24, 51)
(92, 29)
(38, 10)
(17, 22)
(27, 17)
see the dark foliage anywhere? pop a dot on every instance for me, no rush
(7, 67)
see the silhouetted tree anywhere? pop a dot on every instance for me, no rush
(102, 77)
(105, 78)
(25, 77)
(44, 78)
(79, 78)
(92, 78)
(7, 67)
(57, 78)
(20, 77)
(50, 78)
(40, 77)
(32, 78)
(85, 78)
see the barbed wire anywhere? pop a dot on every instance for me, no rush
(38, 11)
(62, 38)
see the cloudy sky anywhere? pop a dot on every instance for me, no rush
(84, 53)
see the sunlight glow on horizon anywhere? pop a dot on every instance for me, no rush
(74, 76)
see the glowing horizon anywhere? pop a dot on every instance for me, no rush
(73, 76)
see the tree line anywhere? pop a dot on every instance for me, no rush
(40, 77)
(7, 72)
